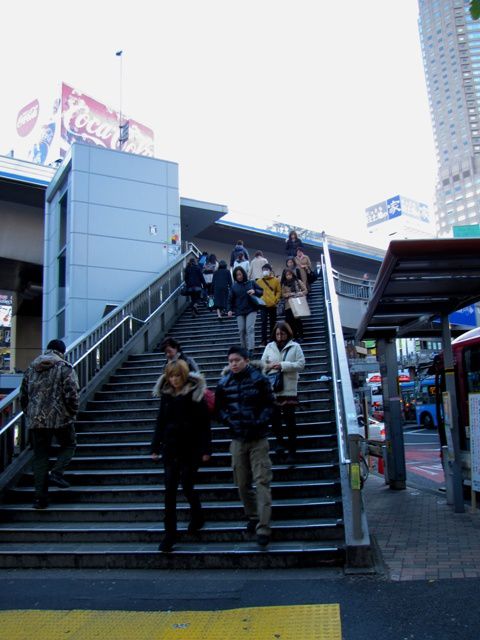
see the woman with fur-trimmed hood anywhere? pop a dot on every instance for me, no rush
(182, 437)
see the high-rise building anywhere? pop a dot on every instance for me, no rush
(450, 42)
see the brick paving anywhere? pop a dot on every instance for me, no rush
(420, 536)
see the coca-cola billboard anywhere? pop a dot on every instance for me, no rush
(27, 118)
(47, 126)
(86, 120)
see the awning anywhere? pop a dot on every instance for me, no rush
(419, 280)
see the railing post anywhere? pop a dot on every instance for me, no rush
(355, 484)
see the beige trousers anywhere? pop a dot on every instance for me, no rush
(251, 464)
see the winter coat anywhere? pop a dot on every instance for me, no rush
(256, 265)
(208, 271)
(239, 300)
(245, 264)
(297, 289)
(244, 403)
(192, 365)
(222, 283)
(291, 247)
(183, 422)
(236, 251)
(292, 361)
(49, 393)
(194, 276)
(271, 290)
(305, 266)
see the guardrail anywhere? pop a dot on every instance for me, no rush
(348, 433)
(92, 353)
(351, 287)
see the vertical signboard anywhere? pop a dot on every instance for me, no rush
(474, 413)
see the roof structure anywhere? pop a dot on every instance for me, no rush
(420, 280)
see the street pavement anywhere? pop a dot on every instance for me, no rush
(370, 606)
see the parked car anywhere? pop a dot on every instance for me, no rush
(376, 429)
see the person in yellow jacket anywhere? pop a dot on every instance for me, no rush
(271, 296)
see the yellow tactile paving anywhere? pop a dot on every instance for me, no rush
(303, 622)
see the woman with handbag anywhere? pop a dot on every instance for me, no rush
(303, 263)
(243, 301)
(292, 287)
(182, 438)
(282, 360)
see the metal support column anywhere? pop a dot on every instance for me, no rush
(451, 421)
(387, 356)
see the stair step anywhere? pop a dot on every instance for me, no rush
(242, 555)
(127, 475)
(136, 493)
(153, 511)
(151, 532)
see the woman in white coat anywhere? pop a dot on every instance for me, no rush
(284, 355)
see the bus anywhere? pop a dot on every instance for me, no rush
(466, 358)
(426, 402)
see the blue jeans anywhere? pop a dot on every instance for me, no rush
(246, 329)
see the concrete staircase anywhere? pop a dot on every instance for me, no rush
(112, 517)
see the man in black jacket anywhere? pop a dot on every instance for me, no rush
(244, 403)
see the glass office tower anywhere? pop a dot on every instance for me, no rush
(450, 42)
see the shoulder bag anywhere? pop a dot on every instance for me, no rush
(256, 301)
(276, 379)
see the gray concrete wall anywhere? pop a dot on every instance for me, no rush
(122, 210)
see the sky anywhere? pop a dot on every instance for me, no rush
(302, 111)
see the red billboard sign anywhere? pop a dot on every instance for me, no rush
(86, 120)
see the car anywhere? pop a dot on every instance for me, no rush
(376, 429)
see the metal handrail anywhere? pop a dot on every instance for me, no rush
(348, 432)
(92, 352)
(351, 286)
(344, 402)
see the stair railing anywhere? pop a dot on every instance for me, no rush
(94, 354)
(348, 432)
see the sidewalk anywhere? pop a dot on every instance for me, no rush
(419, 535)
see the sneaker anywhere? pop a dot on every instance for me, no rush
(59, 481)
(324, 379)
(196, 524)
(252, 525)
(40, 503)
(167, 543)
(263, 540)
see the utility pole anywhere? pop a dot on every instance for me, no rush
(121, 134)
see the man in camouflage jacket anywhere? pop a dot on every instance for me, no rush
(49, 398)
